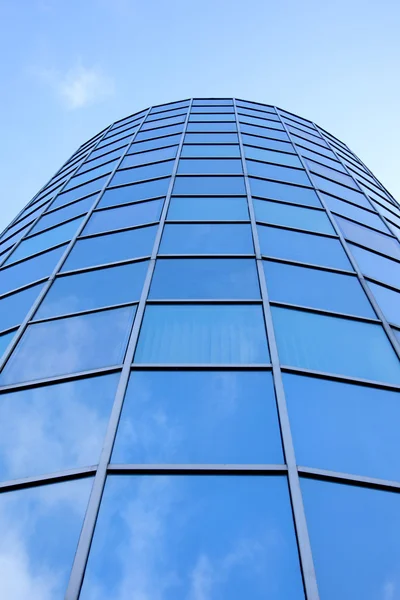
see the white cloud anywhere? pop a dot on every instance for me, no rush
(80, 86)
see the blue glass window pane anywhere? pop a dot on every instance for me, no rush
(316, 288)
(160, 131)
(160, 169)
(126, 216)
(354, 212)
(378, 267)
(209, 185)
(208, 209)
(334, 345)
(281, 173)
(42, 241)
(302, 247)
(163, 122)
(94, 289)
(388, 300)
(264, 131)
(372, 239)
(210, 150)
(339, 190)
(205, 278)
(207, 239)
(287, 215)
(132, 193)
(29, 270)
(280, 158)
(254, 140)
(194, 127)
(14, 308)
(72, 210)
(344, 427)
(94, 162)
(66, 422)
(79, 192)
(211, 138)
(113, 247)
(207, 334)
(281, 191)
(340, 177)
(354, 532)
(5, 339)
(133, 160)
(207, 417)
(40, 532)
(214, 165)
(89, 175)
(260, 122)
(209, 116)
(177, 535)
(154, 144)
(70, 345)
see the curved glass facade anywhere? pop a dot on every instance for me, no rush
(199, 328)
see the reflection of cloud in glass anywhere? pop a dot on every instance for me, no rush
(55, 427)
(33, 562)
(194, 538)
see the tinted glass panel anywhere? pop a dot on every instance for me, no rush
(161, 131)
(372, 239)
(126, 216)
(29, 270)
(192, 127)
(209, 334)
(292, 216)
(211, 138)
(147, 157)
(14, 308)
(205, 278)
(211, 117)
(280, 158)
(103, 249)
(66, 422)
(316, 288)
(192, 526)
(353, 212)
(207, 239)
(70, 345)
(207, 417)
(355, 532)
(210, 150)
(33, 521)
(278, 172)
(280, 191)
(208, 209)
(254, 140)
(94, 289)
(45, 240)
(388, 300)
(70, 211)
(377, 267)
(339, 190)
(131, 193)
(5, 339)
(344, 427)
(83, 177)
(209, 185)
(302, 247)
(146, 172)
(334, 345)
(215, 165)
(79, 192)
(264, 131)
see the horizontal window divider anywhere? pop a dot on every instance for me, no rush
(119, 263)
(51, 211)
(25, 258)
(154, 140)
(27, 385)
(196, 469)
(325, 166)
(298, 229)
(108, 231)
(362, 224)
(246, 301)
(298, 263)
(210, 144)
(103, 176)
(373, 250)
(296, 185)
(212, 174)
(109, 162)
(329, 313)
(208, 222)
(106, 153)
(181, 114)
(24, 287)
(359, 480)
(287, 203)
(207, 195)
(55, 225)
(200, 367)
(297, 134)
(9, 329)
(57, 477)
(370, 210)
(114, 187)
(382, 283)
(124, 204)
(96, 193)
(160, 255)
(270, 162)
(312, 132)
(247, 145)
(81, 313)
(149, 164)
(109, 143)
(340, 378)
(144, 152)
(161, 127)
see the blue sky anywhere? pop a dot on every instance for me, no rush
(68, 69)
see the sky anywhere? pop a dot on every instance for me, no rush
(69, 69)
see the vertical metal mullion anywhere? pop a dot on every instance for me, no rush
(70, 245)
(388, 330)
(85, 540)
(300, 523)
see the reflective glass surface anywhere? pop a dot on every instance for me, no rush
(207, 239)
(33, 521)
(254, 140)
(302, 247)
(29, 270)
(335, 345)
(195, 333)
(207, 208)
(132, 193)
(57, 216)
(277, 172)
(14, 308)
(211, 138)
(107, 248)
(199, 417)
(355, 533)
(316, 288)
(353, 212)
(125, 216)
(388, 300)
(376, 266)
(279, 158)
(194, 150)
(5, 339)
(205, 278)
(177, 537)
(54, 428)
(160, 169)
(344, 427)
(80, 192)
(132, 160)
(371, 239)
(94, 289)
(215, 165)
(209, 185)
(281, 191)
(297, 217)
(70, 345)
